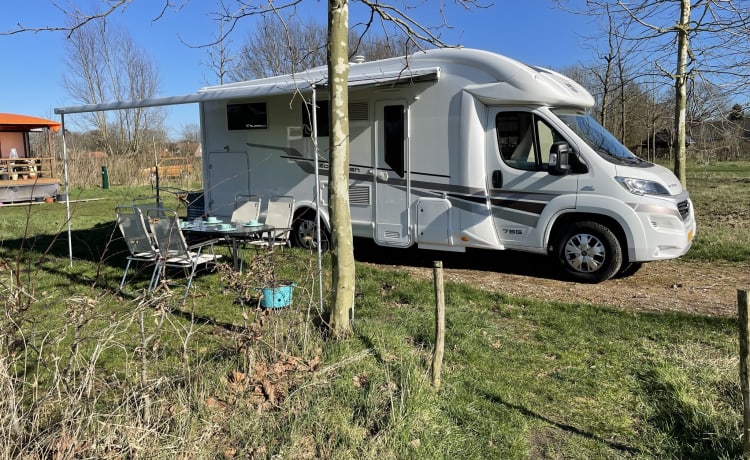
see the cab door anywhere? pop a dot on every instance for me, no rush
(390, 174)
(520, 187)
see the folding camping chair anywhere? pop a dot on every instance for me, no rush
(246, 208)
(278, 215)
(140, 244)
(174, 250)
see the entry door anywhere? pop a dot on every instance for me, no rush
(228, 176)
(521, 188)
(391, 174)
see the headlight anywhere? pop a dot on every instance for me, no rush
(642, 186)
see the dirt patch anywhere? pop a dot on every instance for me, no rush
(676, 285)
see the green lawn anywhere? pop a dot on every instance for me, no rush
(89, 372)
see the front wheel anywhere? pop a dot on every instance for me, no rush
(589, 252)
(304, 234)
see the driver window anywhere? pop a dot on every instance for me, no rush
(515, 137)
(524, 140)
(547, 137)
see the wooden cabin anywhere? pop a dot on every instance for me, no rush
(27, 169)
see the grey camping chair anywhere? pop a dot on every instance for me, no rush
(279, 215)
(246, 208)
(174, 250)
(141, 245)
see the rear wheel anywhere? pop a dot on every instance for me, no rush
(304, 234)
(589, 252)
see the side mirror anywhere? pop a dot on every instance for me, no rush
(559, 159)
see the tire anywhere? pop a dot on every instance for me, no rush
(304, 233)
(589, 252)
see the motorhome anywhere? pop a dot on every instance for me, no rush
(450, 149)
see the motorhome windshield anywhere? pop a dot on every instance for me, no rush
(598, 138)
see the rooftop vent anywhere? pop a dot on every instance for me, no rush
(359, 59)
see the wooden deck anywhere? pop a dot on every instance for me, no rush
(12, 191)
(34, 179)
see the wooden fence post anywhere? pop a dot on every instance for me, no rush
(437, 356)
(744, 318)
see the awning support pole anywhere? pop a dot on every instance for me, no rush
(67, 191)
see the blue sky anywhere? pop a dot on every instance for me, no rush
(34, 63)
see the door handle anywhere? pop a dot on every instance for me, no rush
(497, 179)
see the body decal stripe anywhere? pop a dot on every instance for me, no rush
(520, 207)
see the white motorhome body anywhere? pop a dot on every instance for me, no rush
(451, 149)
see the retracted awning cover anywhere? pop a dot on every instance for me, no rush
(265, 87)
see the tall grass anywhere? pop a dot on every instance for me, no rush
(89, 372)
(85, 170)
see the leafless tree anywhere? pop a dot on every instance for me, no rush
(220, 59)
(341, 231)
(104, 64)
(701, 39)
(190, 132)
(304, 47)
(281, 46)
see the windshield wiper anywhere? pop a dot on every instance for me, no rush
(632, 160)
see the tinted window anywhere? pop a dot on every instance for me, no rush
(321, 115)
(394, 135)
(252, 115)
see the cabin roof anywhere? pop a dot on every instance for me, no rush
(16, 122)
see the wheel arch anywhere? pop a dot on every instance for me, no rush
(303, 226)
(305, 208)
(611, 223)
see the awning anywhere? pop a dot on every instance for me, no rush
(15, 122)
(266, 87)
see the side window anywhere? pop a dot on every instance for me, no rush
(249, 115)
(394, 133)
(321, 117)
(524, 140)
(547, 136)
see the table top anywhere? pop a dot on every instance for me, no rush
(232, 229)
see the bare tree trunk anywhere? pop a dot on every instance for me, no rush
(680, 86)
(607, 77)
(338, 195)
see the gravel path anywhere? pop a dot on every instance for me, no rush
(676, 285)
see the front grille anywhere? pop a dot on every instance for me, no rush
(684, 208)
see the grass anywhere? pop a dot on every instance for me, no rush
(721, 195)
(90, 372)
